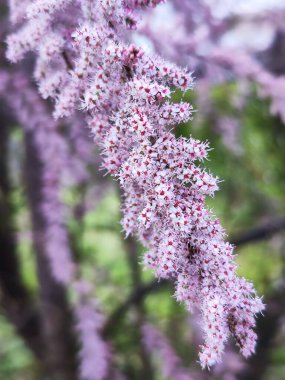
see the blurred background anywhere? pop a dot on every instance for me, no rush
(236, 50)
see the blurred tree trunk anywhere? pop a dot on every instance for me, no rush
(14, 297)
(60, 359)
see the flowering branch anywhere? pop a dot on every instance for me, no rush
(126, 95)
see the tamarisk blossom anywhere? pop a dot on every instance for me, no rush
(82, 152)
(126, 95)
(34, 118)
(94, 353)
(171, 365)
(229, 127)
(54, 156)
(199, 34)
(244, 66)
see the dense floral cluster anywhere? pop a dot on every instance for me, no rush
(84, 61)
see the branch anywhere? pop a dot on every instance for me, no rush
(260, 232)
(136, 297)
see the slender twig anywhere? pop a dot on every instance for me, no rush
(260, 233)
(135, 297)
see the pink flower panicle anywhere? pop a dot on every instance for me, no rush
(270, 86)
(126, 94)
(197, 37)
(33, 116)
(57, 163)
(94, 353)
(170, 363)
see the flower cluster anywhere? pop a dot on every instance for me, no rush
(198, 34)
(126, 95)
(94, 353)
(56, 163)
(32, 114)
(170, 364)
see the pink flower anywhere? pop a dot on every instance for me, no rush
(126, 95)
